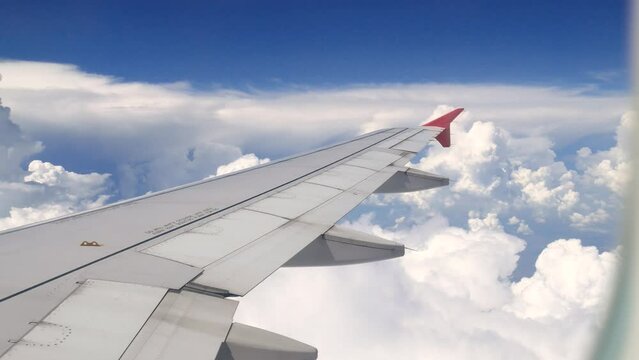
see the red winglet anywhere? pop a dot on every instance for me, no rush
(444, 122)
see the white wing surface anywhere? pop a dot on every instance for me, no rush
(149, 278)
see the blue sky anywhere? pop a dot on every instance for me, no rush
(243, 44)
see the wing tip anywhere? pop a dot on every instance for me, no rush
(445, 120)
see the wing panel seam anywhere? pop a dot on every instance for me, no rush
(196, 220)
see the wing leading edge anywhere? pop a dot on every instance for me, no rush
(176, 256)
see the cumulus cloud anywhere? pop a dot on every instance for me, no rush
(54, 176)
(522, 226)
(490, 222)
(146, 128)
(50, 191)
(27, 215)
(597, 217)
(14, 146)
(452, 299)
(610, 168)
(480, 168)
(495, 172)
(45, 190)
(456, 297)
(548, 186)
(243, 162)
(451, 259)
(569, 278)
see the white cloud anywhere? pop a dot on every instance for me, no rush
(547, 187)
(480, 168)
(610, 168)
(28, 215)
(76, 185)
(14, 146)
(606, 75)
(50, 191)
(45, 190)
(598, 216)
(452, 299)
(471, 265)
(501, 174)
(522, 227)
(243, 162)
(148, 128)
(455, 297)
(569, 278)
(490, 222)
(474, 163)
(137, 124)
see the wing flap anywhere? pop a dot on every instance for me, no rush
(185, 324)
(342, 177)
(374, 159)
(295, 200)
(239, 272)
(426, 135)
(409, 145)
(210, 242)
(100, 318)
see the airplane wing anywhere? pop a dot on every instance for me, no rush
(151, 277)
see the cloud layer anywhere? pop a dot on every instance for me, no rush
(461, 295)
(521, 182)
(141, 129)
(44, 190)
(452, 299)
(243, 162)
